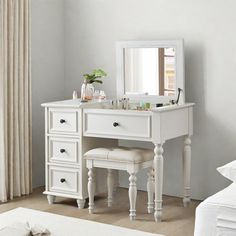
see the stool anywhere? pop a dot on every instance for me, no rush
(130, 159)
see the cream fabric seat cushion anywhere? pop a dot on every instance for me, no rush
(121, 154)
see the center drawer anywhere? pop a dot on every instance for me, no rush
(63, 179)
(117, 124)
(63, 150)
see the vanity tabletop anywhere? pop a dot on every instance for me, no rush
(105, 105)
(173, 107)
(72, 103)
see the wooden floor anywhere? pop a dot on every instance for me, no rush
(177, 220)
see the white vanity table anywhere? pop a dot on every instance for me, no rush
(72, 128)
(156, 126)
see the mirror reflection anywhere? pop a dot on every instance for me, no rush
(150, 71)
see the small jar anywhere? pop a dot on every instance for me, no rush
(102, 95)
(96, 94)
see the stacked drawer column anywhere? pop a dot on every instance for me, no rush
(63, 154)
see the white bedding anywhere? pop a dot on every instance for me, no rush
(216, 216)
(63, 226)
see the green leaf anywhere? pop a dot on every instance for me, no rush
(91, 81)
(98, 81)
(99, 73)
(92, 78)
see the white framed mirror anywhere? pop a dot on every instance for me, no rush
(150, 70)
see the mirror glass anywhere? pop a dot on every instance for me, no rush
(150, 71)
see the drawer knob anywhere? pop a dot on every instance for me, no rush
(115, 124)
(62, 121)
(62, 150)
(62, 180)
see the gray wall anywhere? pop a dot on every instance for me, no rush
(93, 27)
(47, 71)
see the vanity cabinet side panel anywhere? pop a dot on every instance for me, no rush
(190, 121)
(46, 149)
(174, 123)
(84, 172)
(156, 128)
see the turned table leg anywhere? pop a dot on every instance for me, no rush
(187, 170)
(132, 195)
(150, 190)
(91, 190)
(158, 167)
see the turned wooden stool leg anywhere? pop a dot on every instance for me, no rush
(116, 180)
(110, 186)
(91, 190)
(150, 191)
(132, 195)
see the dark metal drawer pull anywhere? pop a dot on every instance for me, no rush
(115, 124)
(62, 150)
(62, 180)
(62, 121)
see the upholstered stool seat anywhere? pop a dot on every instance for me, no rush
(121, 158)
(134, 155)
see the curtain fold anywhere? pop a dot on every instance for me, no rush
(15, 99)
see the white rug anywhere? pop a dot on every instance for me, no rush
(66, 226)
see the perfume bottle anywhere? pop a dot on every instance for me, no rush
(83, 91)
(75, 95)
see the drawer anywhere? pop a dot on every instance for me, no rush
(64, 180)
(117, 124)
(63, 121)
(63, 150)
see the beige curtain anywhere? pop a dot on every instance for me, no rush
(15, 99)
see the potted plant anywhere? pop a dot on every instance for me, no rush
(87, 88)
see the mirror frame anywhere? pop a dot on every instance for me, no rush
(180, 79)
